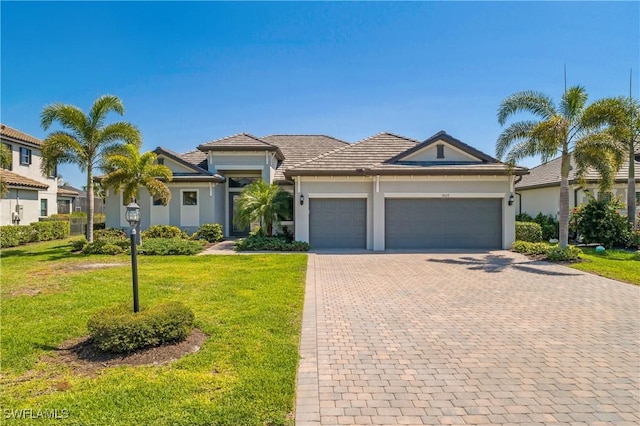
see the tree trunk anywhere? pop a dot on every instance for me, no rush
(564, 199)
(90, 204)
(631, 189)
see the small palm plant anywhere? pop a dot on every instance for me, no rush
(263, 203)
(127, 171)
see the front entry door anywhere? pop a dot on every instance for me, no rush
(235, 230)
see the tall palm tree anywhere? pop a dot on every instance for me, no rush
(85, 139)
(127, 171)
(5, 160)
(264, 203)
(622, 116)
(559, 129)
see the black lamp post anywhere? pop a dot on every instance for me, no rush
(133, 217)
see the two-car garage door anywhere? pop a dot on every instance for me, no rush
(451, 223)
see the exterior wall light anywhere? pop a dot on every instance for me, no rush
(511, 199)
(133, 217)
(301, 199)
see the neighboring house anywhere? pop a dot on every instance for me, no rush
(384, 192)
(31, 195)
(67, 199)
(539, 191)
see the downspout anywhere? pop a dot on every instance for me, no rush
(515, 182)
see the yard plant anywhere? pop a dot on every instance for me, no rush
(244, 373)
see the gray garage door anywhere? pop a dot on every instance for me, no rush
(337, 223)
(462, 223)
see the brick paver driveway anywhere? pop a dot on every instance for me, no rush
(483, 338)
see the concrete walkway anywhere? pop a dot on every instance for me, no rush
(484, 338)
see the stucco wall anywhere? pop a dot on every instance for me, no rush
(28, 199)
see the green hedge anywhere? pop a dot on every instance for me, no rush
(548, 251)
(15, 235)
(170, 246)
(163, 231)
(211, 232)
(260, 242)
(528, 231)
(119, 329)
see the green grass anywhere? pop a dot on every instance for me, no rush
(615, 264)
(250, 306)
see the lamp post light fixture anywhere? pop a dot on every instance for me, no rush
(133, 217)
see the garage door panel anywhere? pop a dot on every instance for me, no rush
(338, 223)
(451, 223)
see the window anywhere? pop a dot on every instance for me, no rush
(440, 149)
(638, 198)
(54, 172)
(157, 201)
(236, 182)
(9, 165)
(288, 215)
(190, 198)
(43, 207)
(605, 196)
(25, 156)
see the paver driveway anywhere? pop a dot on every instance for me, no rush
(485, 338)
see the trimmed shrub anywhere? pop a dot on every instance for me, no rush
(599, 222)
(570, 253)
(163, 231)
(120, 330)
(528, 231)
(79, 244)
(109, 233)
(550, 252)
(170, 246)
(261, 242)
(211, 232)
(15, 235)
(549, 225)
(108, 241)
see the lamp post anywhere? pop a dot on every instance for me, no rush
(133, 217)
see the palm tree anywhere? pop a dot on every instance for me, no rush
(5, 160)
(560, 128)
(85, 139)
(622, 116)
(127, 170)
(264, 203)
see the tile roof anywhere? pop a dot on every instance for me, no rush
(10, 132)
(14, 179)
(548, 174)
(300, 148)
(199, 173)
(241, 142)
(67, 191)
(444, 136)
(196, 157)
(372, 156)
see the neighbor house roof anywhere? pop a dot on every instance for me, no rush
(241, 142)
(67, 191)
(14, 179)
(548, 174)
(381, 154)
(10, 133)
(300, 148)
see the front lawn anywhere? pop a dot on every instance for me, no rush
(615, 264)
(249, 306)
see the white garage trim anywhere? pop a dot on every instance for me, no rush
(338, 195)
(444, 195)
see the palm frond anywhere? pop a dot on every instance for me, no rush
(573, 102)
(119, 131)
(514, 133)
(102, 106)
(61, 147)
(535, 103)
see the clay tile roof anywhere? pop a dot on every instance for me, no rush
(11, 133)
(67, 191)
(548, 174)
(196, 157)
(300, 148)
(14, 179)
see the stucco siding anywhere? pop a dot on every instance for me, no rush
(29, 201)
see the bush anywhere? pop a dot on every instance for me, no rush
(212, 232)
(260, 242)
(550, 252)
(108, 241)
(169, 246)
(548, 223)
(570, 253)
(163, 231)
(120, 330)
(79, 244)
(528, 231)
(109, 233)
(599, 222)
(15, 235)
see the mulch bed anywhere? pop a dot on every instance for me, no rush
(84, 357)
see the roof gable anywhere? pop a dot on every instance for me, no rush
(453, 151)
(241, 142)
(185, 168)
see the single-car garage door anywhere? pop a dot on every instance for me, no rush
(338, 223)
(435, 223)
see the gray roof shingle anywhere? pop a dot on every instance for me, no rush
(548, 174)
(241, 142)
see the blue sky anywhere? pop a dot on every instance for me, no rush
(193, 72)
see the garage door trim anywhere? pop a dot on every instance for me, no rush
(444, 195)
